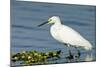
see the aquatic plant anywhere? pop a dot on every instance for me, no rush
(34, 57)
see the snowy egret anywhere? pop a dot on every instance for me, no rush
(66, 35)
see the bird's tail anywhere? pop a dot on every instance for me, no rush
(88, 46)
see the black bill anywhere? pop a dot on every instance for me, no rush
(43, 23)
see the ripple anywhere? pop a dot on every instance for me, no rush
(29, 28)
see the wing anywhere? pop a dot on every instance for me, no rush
(69, 35)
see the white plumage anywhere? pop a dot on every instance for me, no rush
(67, 35)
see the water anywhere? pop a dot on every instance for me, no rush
(25, 35)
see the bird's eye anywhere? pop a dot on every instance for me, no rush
(49, 20)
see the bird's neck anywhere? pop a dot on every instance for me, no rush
(57, 22)
(56, 25)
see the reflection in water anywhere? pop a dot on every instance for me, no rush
(89, 57)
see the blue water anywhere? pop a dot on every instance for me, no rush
(25, 35)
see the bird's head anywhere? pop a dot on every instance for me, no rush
(51, 20)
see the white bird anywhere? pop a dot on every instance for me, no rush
(66, 34)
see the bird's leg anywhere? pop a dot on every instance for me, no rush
(67, 45)
(78, 53)
(70, 56)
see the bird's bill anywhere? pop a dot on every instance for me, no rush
(43, 23)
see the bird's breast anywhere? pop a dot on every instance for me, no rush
(54, 30)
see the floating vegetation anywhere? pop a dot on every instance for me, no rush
(34, 57)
